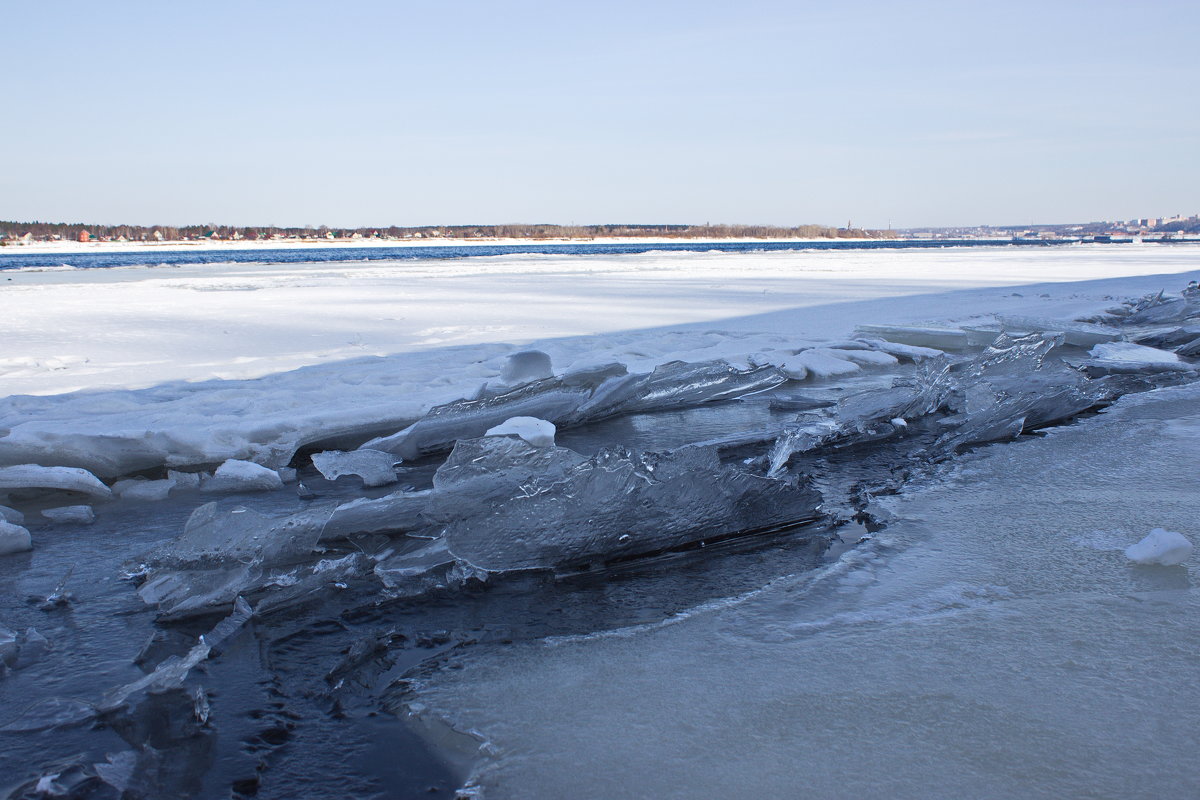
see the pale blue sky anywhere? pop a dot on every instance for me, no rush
(373, 113)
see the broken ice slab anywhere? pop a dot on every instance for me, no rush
(1189, 350)
(242, 476)
(918, 336)
(11, 515)
(14, 539)
(64, 479)
(499, 515)
(187, 480)
(397, 512)
(143, 490)
(375, 467)
(550, 399)
(431, 566)
(1077, 334)
(222, 554)
(822, 363)
(70, 515)
(866, 358)
(907, 352)
(1166, 337)
(1116, 358)
(173, 671)
(1157, 310)
(578, 397)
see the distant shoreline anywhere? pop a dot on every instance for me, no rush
(76, 248)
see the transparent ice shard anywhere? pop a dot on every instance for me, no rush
(375, 467)
(498, 515)
(173, 671)
(397, 512)
(222, 554)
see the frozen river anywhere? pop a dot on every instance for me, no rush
(772, 550)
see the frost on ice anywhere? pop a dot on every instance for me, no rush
(1160, 546)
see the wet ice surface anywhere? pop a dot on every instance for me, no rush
(983, 645)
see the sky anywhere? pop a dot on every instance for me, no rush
(459, 112)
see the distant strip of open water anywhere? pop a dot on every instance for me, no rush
(327, 254)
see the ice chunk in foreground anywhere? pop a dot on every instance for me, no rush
(67, 479)
(500, 515)
(79, 515)
(242, 476)
(1160, 546)
(222, 554)
(375, 467)
(823, 363)
(1127, 351)
(1122, 358)
(11, 515)
(538, 432)
(577, 397)
(143, 490)
(525, 366)
(13, 539)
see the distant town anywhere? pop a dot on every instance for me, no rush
(18, 233)
(1177, 228)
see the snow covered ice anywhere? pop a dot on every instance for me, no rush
(1167, 548)
(242, 476)
(13, 538)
